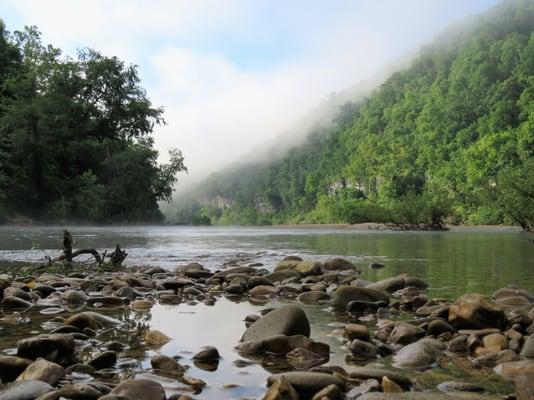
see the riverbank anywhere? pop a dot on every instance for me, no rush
(317, 323)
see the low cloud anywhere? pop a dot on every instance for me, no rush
(218, 104)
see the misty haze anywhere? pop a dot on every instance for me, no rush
(229, 199)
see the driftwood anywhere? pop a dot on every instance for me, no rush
(116, 257)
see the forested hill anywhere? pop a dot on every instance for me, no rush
(449, 139)
(76, 138)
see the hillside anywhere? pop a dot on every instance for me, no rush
(449, 139)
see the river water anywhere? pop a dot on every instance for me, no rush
(454, 262)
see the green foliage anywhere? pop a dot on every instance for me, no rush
(76, 136)
(428, 146)
(514, 193)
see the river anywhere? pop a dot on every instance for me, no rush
(454, 262)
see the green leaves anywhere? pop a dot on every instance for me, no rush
(77, 136)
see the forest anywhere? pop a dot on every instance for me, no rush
(76, 137)
(448, 140)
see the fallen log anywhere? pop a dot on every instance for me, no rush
(116, 257)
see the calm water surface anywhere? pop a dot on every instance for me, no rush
(452, 262)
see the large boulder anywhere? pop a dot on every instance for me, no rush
(136, 389)
(287, 320)
(345, 294)
(56, 347)
(473, 311)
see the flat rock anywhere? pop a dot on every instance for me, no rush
(287, 320)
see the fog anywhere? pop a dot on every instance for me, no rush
(235, 76)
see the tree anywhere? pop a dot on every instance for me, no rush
(77, 135)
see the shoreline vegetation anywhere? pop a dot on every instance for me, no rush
(95, 324)
(367, 226)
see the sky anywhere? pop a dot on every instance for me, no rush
(233, 74)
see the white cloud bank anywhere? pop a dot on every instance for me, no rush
(217, 108)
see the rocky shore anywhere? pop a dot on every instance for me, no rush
(392, 334)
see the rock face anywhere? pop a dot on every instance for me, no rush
(137, 389)
(58, 348)
(25, 390)
(43, 370)
(308, 383)
(287, 320)
(473, 311)
(345, 294)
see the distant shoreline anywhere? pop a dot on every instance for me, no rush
(368, 226)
